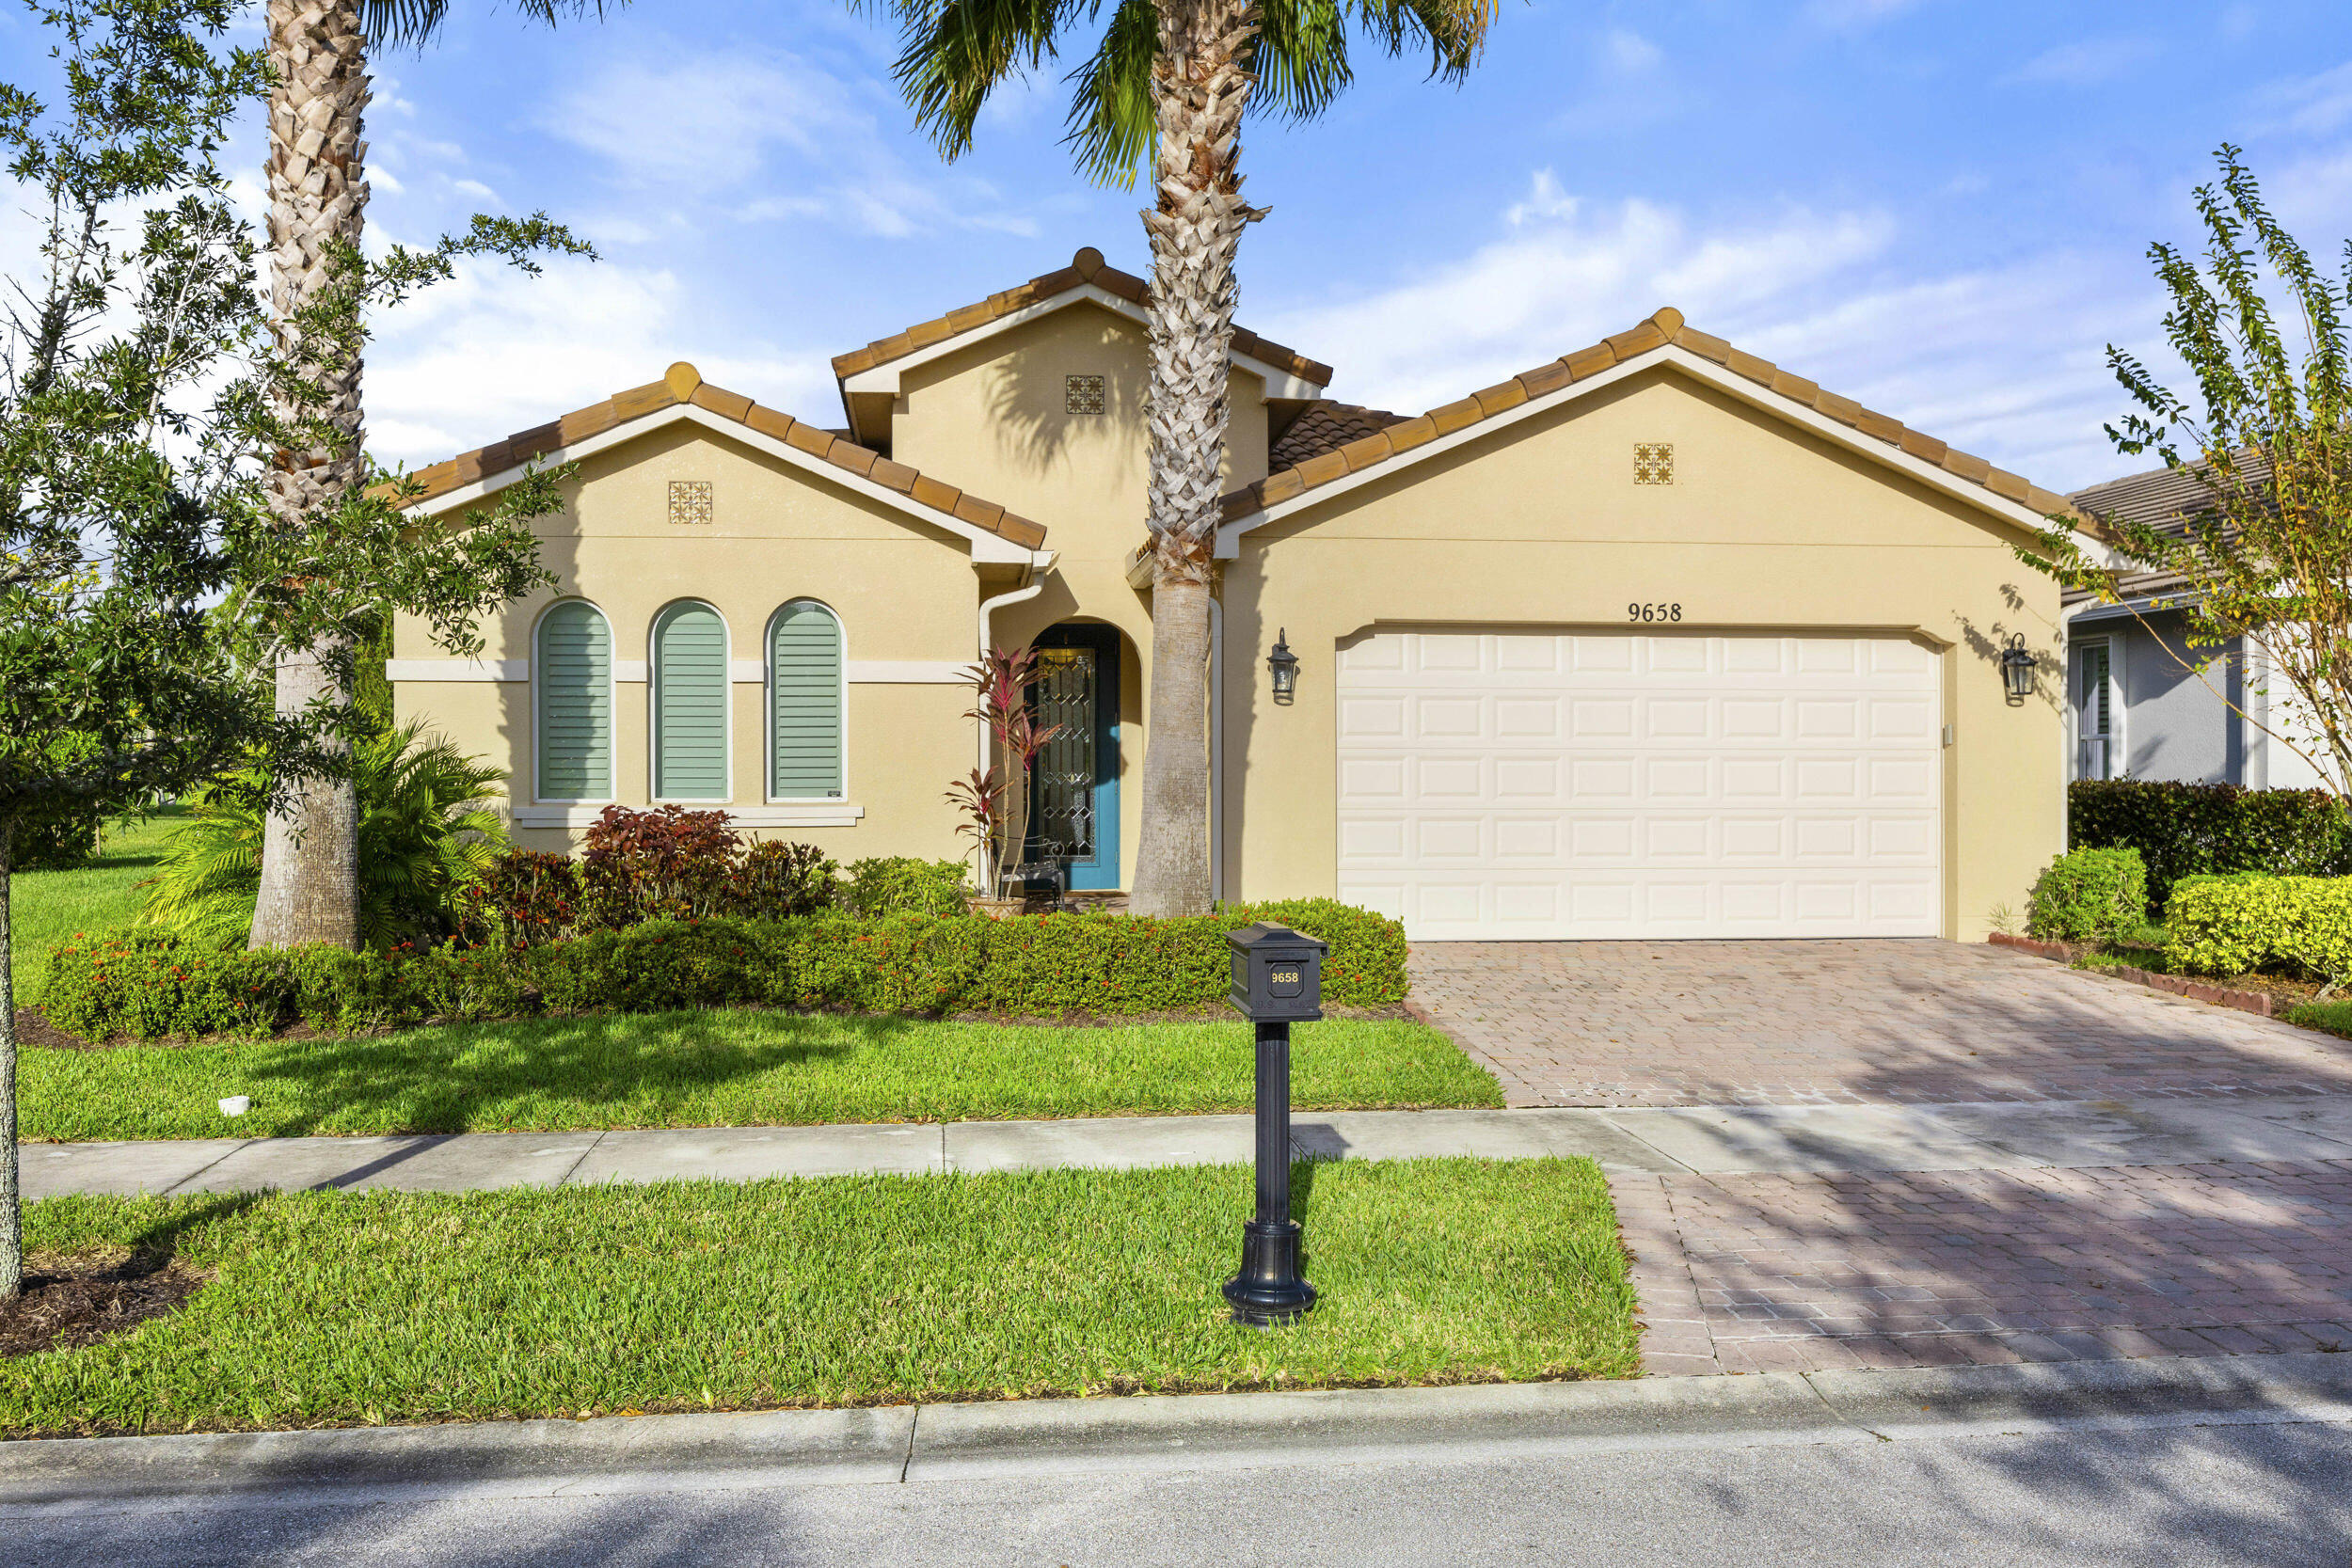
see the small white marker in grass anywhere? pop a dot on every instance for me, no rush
(236, 1105)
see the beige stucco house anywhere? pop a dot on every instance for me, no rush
(1655, 640)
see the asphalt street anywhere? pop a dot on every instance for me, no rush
(2278, 1493)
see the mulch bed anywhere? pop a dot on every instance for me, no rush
(70, 1303)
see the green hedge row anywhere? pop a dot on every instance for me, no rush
(151, 985)
(2191, 830)
(2234, 925)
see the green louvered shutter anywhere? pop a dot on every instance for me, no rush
(689, 705)
(804, 683)
(574, 675)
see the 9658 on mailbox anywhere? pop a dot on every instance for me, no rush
(1277, 974)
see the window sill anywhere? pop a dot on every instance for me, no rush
(799, 814)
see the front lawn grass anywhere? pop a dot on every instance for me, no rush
(721, 1068)
(330, 1309)
(46, 907)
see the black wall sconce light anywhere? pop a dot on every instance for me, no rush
(1283, 664)
(2017, 669)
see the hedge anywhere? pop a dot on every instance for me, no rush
(149, 985)
(2189, 830)
(2088, 895)
(2232, 925)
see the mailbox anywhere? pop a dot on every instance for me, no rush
(1277, 974)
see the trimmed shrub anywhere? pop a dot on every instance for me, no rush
(2088, 895)
(152, 984)
(525, 898)
(900, 885)
(667, 864)
(2232, 925)
(776, 880)
(2187, 830)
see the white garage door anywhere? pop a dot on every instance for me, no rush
(1533, 784)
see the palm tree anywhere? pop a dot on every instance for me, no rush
(1172, 76)
(318, 191)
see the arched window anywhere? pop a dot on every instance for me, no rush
(804, 703)
(572, 670)
(689, 704)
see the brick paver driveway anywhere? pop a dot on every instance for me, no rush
(1749, 1272)
(1810, 1022)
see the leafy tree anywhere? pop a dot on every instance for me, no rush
(145, 583)
(318, 193)
(1170, 78)
(2265, 563)
(428, 829)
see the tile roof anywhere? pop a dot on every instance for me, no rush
(1086, 267)
(1665, 327)
(2168, 499)
(1326, 426)
(683, 384)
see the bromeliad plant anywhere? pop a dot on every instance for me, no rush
(995, 800)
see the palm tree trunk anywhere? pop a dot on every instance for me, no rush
(1198, 89)
(318, 190)
(12, 1198)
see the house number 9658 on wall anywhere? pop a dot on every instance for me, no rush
(1653, 612)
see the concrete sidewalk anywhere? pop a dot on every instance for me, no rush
(1015, 1439)
(1703, 1140)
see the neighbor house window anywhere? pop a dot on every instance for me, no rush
(2094, 711)
(804, 673)
(689, 704)
(572, 672)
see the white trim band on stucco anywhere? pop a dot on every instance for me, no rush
(988, 548)
(815, 813)
(457, 669)
(1280, 383)
(909, 672)
(747, 672)
(1673, 356)
(635, 670)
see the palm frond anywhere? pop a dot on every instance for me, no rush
(411, 23)
(955, 53)
(1110, 98)
(427, 829)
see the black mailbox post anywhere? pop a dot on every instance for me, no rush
(1277, 981)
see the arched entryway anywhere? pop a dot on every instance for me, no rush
(1073, 788)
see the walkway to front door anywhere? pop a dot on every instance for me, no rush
(1845, 1023)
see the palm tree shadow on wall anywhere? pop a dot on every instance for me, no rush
(1039, 406)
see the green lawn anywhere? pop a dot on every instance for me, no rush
(45, 907)
(333, 1309)
(723, 1069)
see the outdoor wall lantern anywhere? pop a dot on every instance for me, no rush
(2017, 669)
(1278, 980)
(1284, 665)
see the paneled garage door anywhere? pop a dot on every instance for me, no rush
(1533, 784)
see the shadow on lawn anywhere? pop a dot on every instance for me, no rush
(442, 1079)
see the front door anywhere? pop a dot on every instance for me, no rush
(1074, 789)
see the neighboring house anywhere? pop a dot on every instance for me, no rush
(2141, 702)
(1655, 640)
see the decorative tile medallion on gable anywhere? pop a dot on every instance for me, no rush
(689, 500)
(1653, 462)
(1082, 394)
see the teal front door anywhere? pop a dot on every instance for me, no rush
(1074, 790)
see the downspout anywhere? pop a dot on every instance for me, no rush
(2068, 748)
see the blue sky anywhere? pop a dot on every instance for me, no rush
(1938, 208)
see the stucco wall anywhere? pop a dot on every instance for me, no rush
(992, 419)
(1541, 526)
(2177, 725)
(904, 591)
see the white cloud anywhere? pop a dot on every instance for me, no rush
(1628, 51)
(2086, 63)
(494, 351)
(2005, 361)
(2317, 105)
(702, 128)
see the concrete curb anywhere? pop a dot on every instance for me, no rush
(953, 1442)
